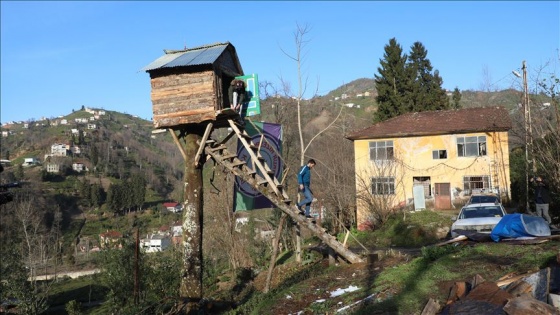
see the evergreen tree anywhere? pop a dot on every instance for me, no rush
(407, 83)
(81, 139)
(116, 198)
(393, 83)
(96, 195)
(456, 98)
(138, 187)
(94, 155)
(84, 189)
(427, 93)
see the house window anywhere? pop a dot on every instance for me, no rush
(476, 184)
(383, 185)
(381, 150)
(471, 146)
(439, 154)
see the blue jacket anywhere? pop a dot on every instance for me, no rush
(304, 176)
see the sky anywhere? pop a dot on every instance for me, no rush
(59, 55)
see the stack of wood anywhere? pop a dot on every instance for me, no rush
(512, 295)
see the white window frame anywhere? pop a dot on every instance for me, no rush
(471, 146)
(477, 182)
(439, 154)
(383, 185)
(381, 150)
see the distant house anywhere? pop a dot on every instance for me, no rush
(91, 126)
(5, 134)
(75, 149)
(173, 206)
(75, 131)
(30, 161)
(64, 122)
(155, 243)
(6, 162)
(59, 149)
(78, 167)
(110, 239)
(52, 167)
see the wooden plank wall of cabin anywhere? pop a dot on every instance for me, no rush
(183, 98)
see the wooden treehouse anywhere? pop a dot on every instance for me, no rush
(190, 91)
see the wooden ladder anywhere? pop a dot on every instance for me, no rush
(261, 178)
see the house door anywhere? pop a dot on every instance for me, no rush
(443, 196)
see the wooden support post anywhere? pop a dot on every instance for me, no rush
(176, 140)
(346, 239)
(203, 142)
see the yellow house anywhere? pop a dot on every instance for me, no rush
(431, 159)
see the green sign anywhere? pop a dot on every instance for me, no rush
(252, 89)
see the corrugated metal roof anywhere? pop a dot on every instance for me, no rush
(189, 57)
(479, 119)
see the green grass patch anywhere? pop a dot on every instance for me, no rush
(414, 229)
(83, 290)
(415, 282)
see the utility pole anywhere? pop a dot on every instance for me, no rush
(528, 134)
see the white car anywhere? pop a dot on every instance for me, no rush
(480, 217)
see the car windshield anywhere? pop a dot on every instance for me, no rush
(481, 212)
(483, 199)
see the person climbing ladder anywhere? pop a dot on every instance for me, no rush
(304, 183)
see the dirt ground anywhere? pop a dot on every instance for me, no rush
(316, 288)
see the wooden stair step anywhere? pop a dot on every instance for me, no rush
(249, 171)
(238, 163)
(228, 156)
(218, 148)
(246, 136)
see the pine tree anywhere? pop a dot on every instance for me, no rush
(456, 98)
(94, 155)
(427, 93)
(393, 83)
(116, 198)
(138, 187)
(96, 195)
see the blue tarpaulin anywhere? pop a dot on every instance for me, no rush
(520, 225)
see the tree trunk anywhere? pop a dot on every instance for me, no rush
(274, 251)
(191, 277)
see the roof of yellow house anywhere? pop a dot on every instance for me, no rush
(478, 119)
